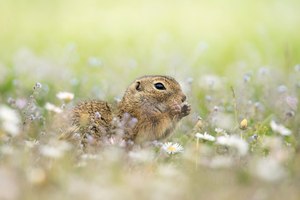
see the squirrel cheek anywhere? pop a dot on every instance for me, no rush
(161, 107)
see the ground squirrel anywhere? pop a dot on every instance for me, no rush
(149, 110)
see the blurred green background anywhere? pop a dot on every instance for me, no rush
(100, 40)
(254, 31)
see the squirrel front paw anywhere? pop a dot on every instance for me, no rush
(175, 109)
(180, 110)
(185, 109)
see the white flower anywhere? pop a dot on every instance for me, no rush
(31, 144)
(234, 141)
(65, 96)
(9, 120)
(53, 108)
(205, 136)
(51, 152)
(280, 128)
(141, 156)
(220, 130)
(269, 169)
(55, 151)
(171, 148)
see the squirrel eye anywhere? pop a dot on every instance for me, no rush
(159, 86)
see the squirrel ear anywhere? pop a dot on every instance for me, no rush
(138, 86)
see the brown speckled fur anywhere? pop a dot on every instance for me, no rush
(156, 112)
(93, 117)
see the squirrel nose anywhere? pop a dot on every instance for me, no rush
(183, 98)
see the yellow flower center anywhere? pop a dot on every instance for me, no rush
(171, 148)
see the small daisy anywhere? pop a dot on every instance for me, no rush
(53, 108)
(280, 128)
(220, 131)
(51, 152)
(205, 136)
(9, 120)
(171, 148)
(269, 169)
(55, 151)
(31, 143)
(65, 96)
(234, 141)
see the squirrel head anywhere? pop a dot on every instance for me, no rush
(154, 89)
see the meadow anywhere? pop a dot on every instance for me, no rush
(237, 61)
